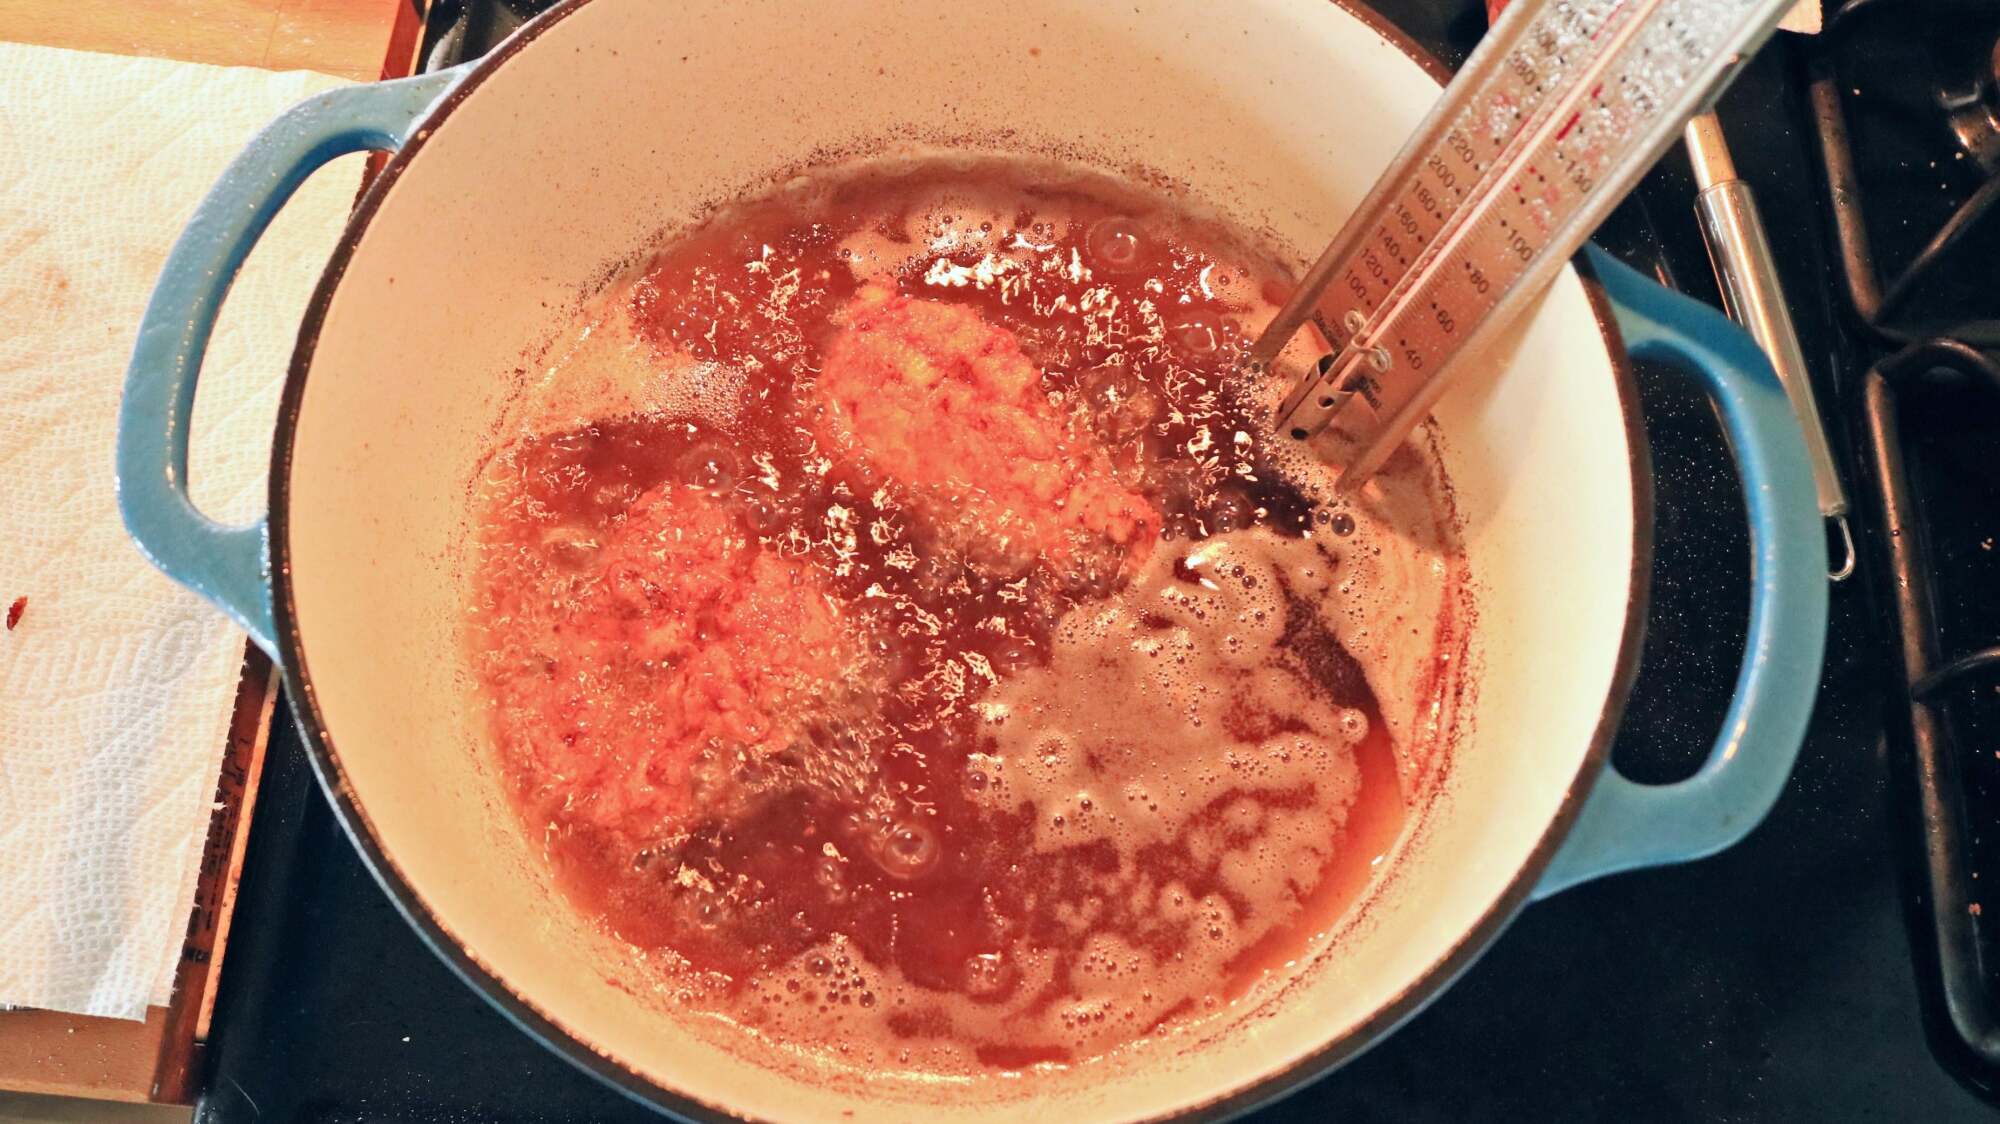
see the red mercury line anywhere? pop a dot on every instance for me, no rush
(1606, 22)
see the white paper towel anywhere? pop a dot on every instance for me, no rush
(116, 687)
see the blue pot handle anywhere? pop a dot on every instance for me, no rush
(1626, 825)
(231, 565)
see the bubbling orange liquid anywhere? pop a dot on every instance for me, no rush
(928, 652)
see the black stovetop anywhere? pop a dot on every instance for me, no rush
(1773, 982)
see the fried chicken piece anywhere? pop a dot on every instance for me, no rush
(939, 399)
(676, 637)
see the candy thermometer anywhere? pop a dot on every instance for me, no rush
(1559, 111)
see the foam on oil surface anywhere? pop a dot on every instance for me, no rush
(1208, 741)
(599, 368)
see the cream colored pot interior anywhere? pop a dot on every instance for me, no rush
(625, 116)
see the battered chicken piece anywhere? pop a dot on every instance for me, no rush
(677, 636)
(937, 398)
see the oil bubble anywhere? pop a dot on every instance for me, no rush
(1353, 724)
(1230, 511)
(1114, 245)
(988, 975)
(1197, 336)
(908, 850)
(832, 880)
(713, 465)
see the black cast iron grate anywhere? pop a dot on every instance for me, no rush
(1907, 112)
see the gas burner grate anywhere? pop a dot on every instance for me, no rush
(1916, 223)
(1950, 710)
(1912, 170)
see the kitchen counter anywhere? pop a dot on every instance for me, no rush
(358, 39)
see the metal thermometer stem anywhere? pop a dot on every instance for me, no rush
(1746, 272)
(1557, 114)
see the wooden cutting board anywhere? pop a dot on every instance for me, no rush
(358, 39)
(158, 1060)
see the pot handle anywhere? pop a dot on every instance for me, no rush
(1626, 825)
(231, 565)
